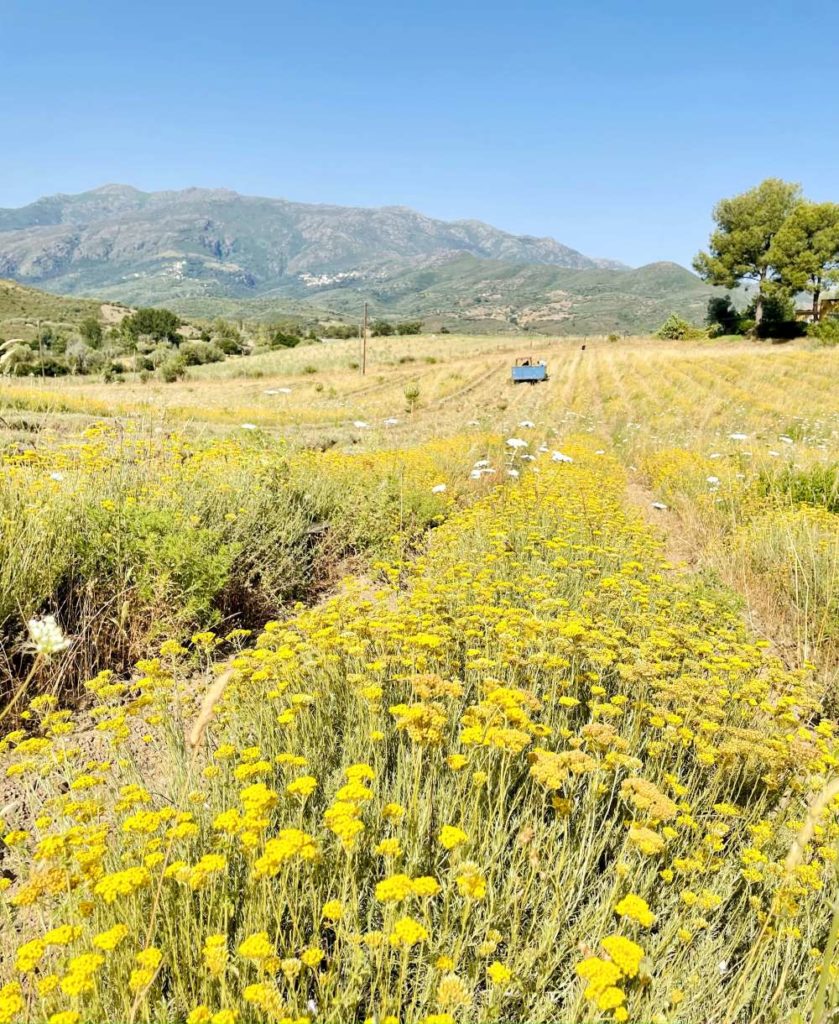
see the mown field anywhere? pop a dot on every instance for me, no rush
(419, 696)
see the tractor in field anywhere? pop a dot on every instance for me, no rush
(529, 371)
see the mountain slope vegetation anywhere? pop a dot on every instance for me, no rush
(237, 245)
(207, 252)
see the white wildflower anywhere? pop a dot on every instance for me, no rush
(46, 637)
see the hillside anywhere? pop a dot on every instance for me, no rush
(139, 247)
(539, 297)
(22, 308)
(477, 295)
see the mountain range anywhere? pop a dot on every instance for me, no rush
(204, 251)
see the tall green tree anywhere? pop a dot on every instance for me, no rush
(805, 251)
(739, 247)
(91, 330)
(161, 324)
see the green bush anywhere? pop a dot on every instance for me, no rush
(173, 368)
(341, 331)
(409, 327)
(826, 332)
(381, 329)
(722, 318)
(815, 485)
(281, 338)
(675, 328)
(197, 353)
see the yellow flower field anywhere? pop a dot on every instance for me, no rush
(524, 768)
(544, 778)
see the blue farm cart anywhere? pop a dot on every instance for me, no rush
(528, 371)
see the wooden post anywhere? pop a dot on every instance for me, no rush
(40, 347)
(364, 343)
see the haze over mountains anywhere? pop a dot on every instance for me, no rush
(213, 250)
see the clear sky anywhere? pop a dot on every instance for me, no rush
(612, 126)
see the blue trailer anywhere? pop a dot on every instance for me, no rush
(527, 371)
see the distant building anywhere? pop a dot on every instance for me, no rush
(829, 305)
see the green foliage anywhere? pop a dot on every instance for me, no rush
(281, 338)
(173, 368)
(160, 324)
(381, 329)
(826, 331)
(82, 357)
(675, 328)
(227, 337)
(91, 330)
(778, 319)
(197, 353)
(412, 393)
(814, 485)
(409, 327)
(341, 331)
(722, 316)
(741, 244)
(805, 251)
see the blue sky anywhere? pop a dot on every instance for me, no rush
(612, 126)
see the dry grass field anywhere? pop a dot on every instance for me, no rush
(560, 746)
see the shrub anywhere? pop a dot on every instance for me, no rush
(227, 338)
(815, 485)
(381, 329)
(826, 332)
(675, 328)
(783, 329)
(341, 331)
(173, 368)
(18, 360)
(197, 353)
(82, 358)
(409, 327)
(308, 368)
(281, 338)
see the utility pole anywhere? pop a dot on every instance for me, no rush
(40, 347)
(364, 343)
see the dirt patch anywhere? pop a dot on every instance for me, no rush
(111, 314)
(678, 547)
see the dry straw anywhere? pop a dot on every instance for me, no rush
(211, 698)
